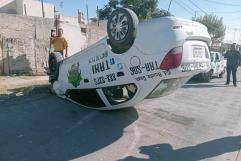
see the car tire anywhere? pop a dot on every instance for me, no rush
(54, 62)
(207, 77)
(121, 29)
(220, 75)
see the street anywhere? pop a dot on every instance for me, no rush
(200, 121)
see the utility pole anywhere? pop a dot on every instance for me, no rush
(98, 16)
(195, 16)
(98, 20)
(87, 26)
(87, 12)
(169, 5)
(43, 8)
(25, 10)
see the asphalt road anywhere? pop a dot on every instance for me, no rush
(201, 121)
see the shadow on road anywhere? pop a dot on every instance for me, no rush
(165, 152)
(196, 84)
(46, 128)
(203, 85)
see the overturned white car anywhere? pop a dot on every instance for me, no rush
(135, 61)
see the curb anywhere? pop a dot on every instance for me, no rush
(23, 88)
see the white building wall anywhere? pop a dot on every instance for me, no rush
(9, 7)
(233, 35)
(19, 7)
(33, 8)
(71, 28)
(5, 2)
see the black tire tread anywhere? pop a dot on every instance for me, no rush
(122, 46)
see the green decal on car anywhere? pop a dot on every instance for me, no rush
(74, 75)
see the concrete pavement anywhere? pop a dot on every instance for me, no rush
(200, 121)
(11, 84)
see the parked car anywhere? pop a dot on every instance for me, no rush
(218, 68)
(218, 64)
(135, 61)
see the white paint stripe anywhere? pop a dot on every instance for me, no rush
(137, 136)
(239, 155)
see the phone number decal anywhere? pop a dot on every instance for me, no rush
(104, 79)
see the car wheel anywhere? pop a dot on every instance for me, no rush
(220, 75)
(54, 61)
(207, 77)
(121, 29)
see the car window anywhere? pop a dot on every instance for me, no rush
(212, 56)
(86, 97)
(217, 57)
(120, 94)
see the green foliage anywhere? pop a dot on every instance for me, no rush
(215, 27)
(74, 75)
(108, 8)
(160, 13)
(143, 8)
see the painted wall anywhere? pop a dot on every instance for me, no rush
(33, 8)
(72, 32)
(9, 7)
(25, 44)
(24, 41)
(5, 2)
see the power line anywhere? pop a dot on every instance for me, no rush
(227, 12)
(198, 7)
(233, 28)
(222, 3)
(169, 5)
(234, 19)
(182, 6)
(187, 6)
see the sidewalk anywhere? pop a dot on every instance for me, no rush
(9, 84)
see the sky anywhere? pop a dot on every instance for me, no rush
(229, 10)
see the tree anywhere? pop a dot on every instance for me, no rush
(143, 8)
(215, 26)
(160, 13)
(105, 12)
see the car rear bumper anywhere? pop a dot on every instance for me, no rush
(168, 86)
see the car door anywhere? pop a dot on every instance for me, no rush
(217, 63)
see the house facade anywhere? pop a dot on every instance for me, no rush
(27, 8)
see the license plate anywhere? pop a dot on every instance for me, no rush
(198, 52)
(193, 66)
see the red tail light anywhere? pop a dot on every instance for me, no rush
(173, 59)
